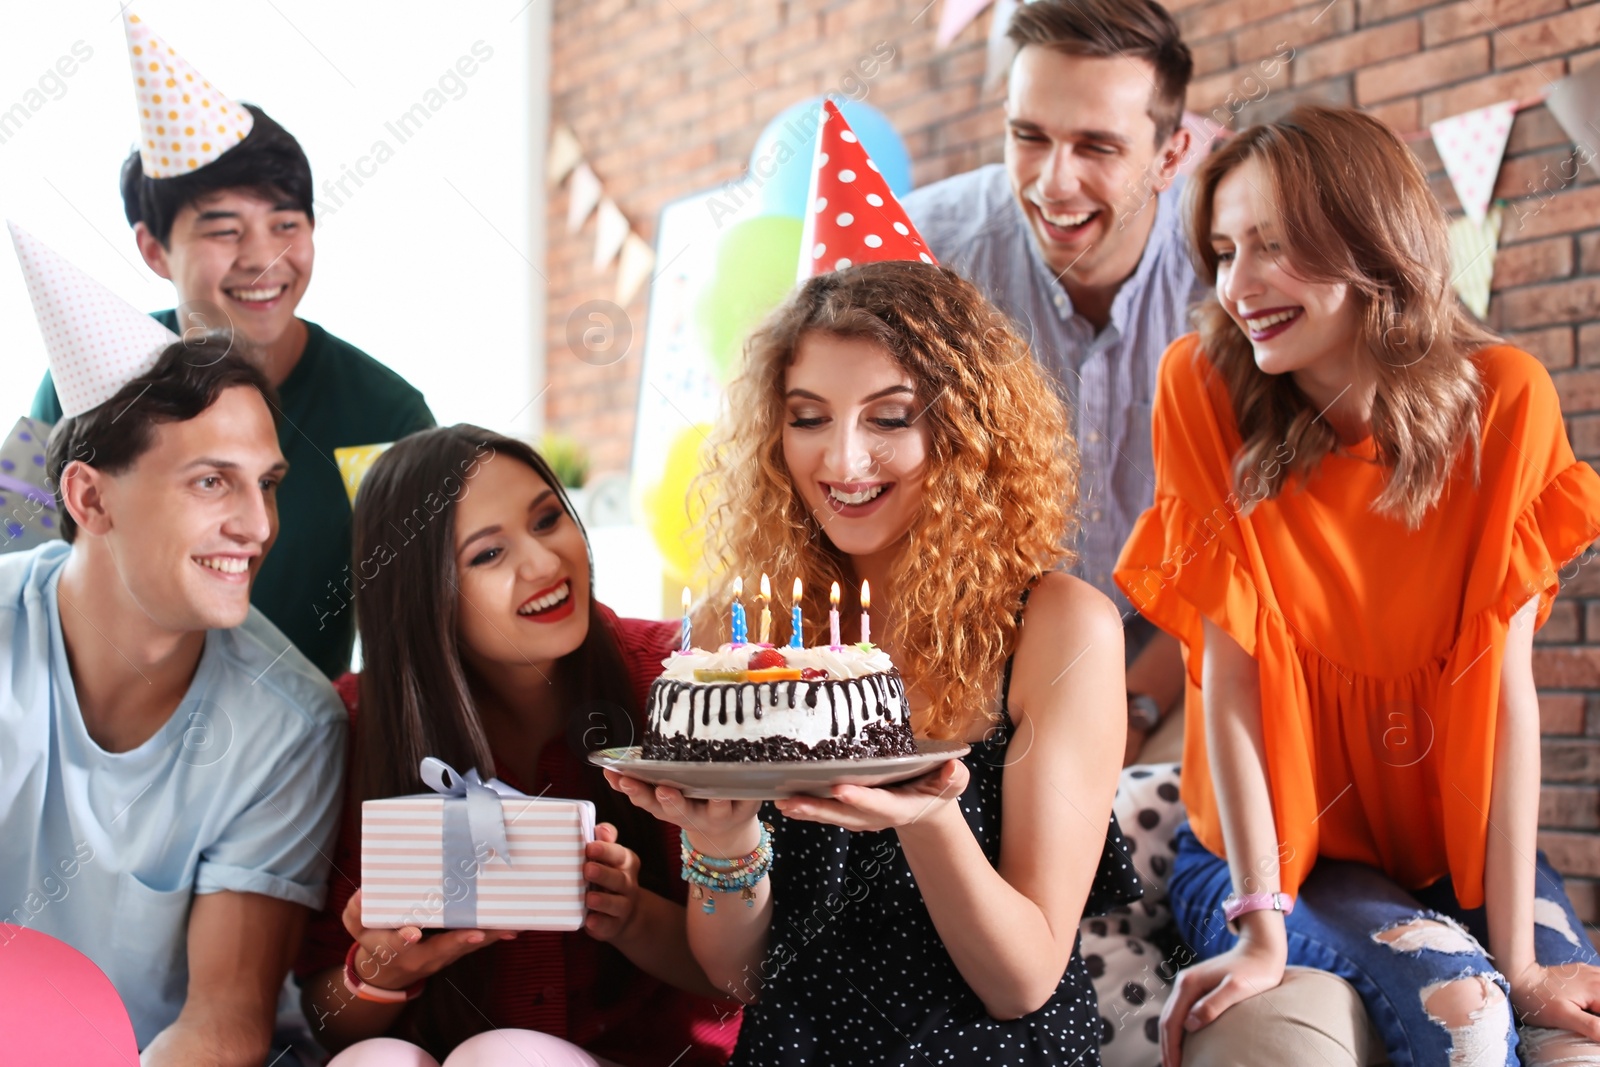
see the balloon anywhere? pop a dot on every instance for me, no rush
(673, 518)
(780, 163)
(754, 271)
(56, 1006)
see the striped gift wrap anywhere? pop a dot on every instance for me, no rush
(404, 880)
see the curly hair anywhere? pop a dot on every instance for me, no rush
(1355, 208)
(998, 500)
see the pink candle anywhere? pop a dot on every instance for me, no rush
(833, 615)
(866, 620)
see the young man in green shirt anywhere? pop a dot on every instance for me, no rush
(234, 236)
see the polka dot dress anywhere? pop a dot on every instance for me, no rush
(856, 974)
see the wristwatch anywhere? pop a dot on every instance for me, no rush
(1144, 713)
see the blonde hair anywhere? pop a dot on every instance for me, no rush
(997, 500)
(1355, 208)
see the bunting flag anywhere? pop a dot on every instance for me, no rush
(583, 193)
(565, 153)
(1575, 102)
(1472, 252)
(1000, 49)
(611, 230)
(955, 17)
(851, 214)
(586, 196)
(636, 262)
(1471, 146)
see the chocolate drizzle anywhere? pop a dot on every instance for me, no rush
(876, 718)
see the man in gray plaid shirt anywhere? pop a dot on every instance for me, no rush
(1078, 237)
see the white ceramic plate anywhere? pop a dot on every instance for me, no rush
(772, 781)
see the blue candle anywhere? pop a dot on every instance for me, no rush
(739, 634)
(794, 618)
(686, 646)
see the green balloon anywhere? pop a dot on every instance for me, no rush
(755, 269)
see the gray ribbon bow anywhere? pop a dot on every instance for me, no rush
(477, 826)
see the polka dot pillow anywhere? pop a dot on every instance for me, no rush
(1122, 949)
(1149, 810)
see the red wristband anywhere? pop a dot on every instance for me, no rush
(353, 982)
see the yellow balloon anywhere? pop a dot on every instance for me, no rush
(672, 518)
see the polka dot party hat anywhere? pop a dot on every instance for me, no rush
(97, 342)
(851, 216)
(184, 121)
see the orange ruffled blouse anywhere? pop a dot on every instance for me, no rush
(1379, 647)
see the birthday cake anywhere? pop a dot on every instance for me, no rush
(753, 703)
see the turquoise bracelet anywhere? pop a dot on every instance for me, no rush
(708, 874)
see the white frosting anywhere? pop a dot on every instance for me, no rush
(839, 705)
(846, 661)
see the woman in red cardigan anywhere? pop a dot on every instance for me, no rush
(483, 647)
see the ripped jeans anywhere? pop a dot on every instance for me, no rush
(1415, 957)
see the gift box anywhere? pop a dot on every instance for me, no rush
(473, 854)
(28, 514)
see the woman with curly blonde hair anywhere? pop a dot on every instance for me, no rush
(889, 425)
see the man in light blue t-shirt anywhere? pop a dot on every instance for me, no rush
(170, 766)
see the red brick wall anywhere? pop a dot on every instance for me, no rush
(667, 99)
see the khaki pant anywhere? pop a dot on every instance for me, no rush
(1313, 1018)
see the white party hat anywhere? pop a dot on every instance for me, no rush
(184, 121)
(97, 342)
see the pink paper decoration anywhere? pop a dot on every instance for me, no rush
(184, 121)
(1471, 146)
(851, 214)
(56, 1006)
(97, 342)
(955, 17)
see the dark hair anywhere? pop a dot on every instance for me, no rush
(184, 382)
(416, 695)
(1105, 29)
(268, 162)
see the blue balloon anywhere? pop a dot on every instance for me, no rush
(780, 163)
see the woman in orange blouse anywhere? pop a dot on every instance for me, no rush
(1363, 504)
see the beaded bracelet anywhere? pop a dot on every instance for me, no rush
(708, 874)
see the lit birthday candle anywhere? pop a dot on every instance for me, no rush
(794, 617)
(685, 647)
(833, 616)
(739, 631)
(866, 620)
(766, 611)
